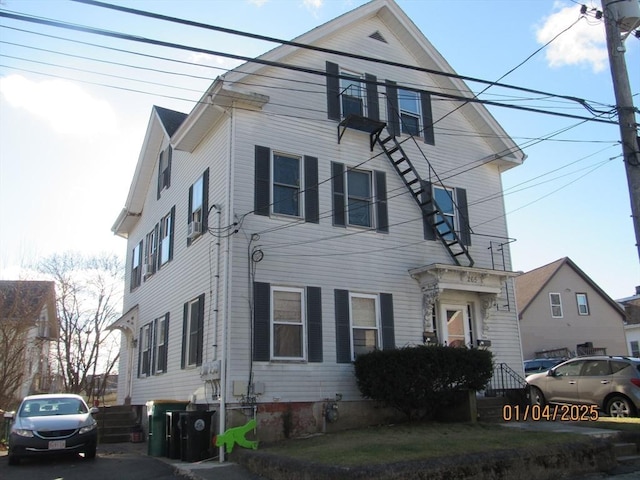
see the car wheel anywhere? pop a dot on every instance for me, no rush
(619, 407)
(536, 397)
(90, 453)
(13, 460)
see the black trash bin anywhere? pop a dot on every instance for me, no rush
(195, 435)
(173, 434)
(156, 410)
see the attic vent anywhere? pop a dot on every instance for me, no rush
(378, 36)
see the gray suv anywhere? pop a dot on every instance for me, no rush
(611, 384)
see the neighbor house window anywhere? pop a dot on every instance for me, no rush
(556, 305)
(444, 199)
(352, 93)
(198, 207)
(288, 323)
(287, 173)
(409, 103)
(136, 266)
(359, 198)
(364, 315)
(635, 348)
(583, 304)
(192, 332)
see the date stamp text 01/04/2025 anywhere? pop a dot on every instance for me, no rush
(537, 413)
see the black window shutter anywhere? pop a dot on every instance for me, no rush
(154, 343)
(386, 317)
(314, 324)
(333, 91)
(261, 321)
(205, 200)
(337, 184)
(185, 326)
(393, 108)
(169, 154)
(173, 221)
(381, 205)
(427, 119)
(426, 196)
(189, 213)
(160, 174)
(343, 337)
(200, 340)
(311, 200)
(463, 216)
(262, 180)
(140, 343)
(373, 109)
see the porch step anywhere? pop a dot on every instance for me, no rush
(626, 453)
(115, 423)
(490, 408)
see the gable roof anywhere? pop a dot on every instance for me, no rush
(24, 300)
(529, 285)
(170, 119)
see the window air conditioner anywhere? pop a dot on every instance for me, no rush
(147, 269)
(195, 229)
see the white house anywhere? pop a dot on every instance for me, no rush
(631, 306)
(313, 206)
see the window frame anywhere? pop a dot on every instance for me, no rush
(352, 327)
(415, 114)
(370, 201)
(160, 344)
(193, 332)
(557, 305)
(355, 80)
(585, 304)
(146, 350)
(164, 236)
(635, 352)
(164, 169)
(299, 197)
(136, 266)
(451, 215)
(151, 253)
(198, 210)
(302, 324)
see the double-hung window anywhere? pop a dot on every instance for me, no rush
(145, 350)
(136, 266)
(287, 175)
(444, 199)
(410, 115)
(192, 332)
(150, 255)
(635, 348)
(359, 198)
(353, 94)
(583, 304)
(161, 336)
(556, 305)
(165, 247)
(198, 207)
(164, 169)
(288, 323)
(365, 323)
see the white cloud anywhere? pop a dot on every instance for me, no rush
(313, 5)
(65, 106)
(582, 44)
(258, 3)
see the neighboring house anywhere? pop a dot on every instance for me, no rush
(295, 220)
(631, 307)
(563, 312)
(28, 325)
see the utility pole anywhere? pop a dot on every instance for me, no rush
(624, 106)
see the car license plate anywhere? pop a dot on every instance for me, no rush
(57, 444)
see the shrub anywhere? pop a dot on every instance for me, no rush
(420, 380)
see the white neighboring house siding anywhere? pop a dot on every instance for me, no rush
(383, 270)
(186, 276)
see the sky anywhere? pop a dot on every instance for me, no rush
(73, 115)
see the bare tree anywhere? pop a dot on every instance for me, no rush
(13, 347)
(88, 293)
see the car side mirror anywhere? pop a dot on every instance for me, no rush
(94, 410)
(551, 373)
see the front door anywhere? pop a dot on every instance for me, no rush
(456, 331)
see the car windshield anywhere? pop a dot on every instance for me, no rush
(52, 406)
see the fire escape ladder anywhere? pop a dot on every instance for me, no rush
(420, 190)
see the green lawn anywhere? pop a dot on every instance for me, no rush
(403, 442)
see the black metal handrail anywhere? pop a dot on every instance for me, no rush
(505, 379)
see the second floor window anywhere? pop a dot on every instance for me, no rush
(583, 304)
(136, 266)
(556, 305)
(359, 198)
(192, 332)
(286, 184)
(444, 198)
(288, 323)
